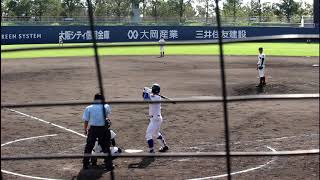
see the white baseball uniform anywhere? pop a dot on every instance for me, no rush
(153, 129)
(155, 121)
(261, 63)
(162, 42)
(97, 148)
(60, 40)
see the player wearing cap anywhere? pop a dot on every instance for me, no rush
(261, 66)
(161, 43)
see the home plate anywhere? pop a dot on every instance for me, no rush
(133, 150)
(315, 65)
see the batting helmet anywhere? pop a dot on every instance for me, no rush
(155, 89)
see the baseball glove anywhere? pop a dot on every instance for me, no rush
(260, 67)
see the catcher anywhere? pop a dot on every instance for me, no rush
(113, 149)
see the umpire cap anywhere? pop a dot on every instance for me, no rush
(98, 96)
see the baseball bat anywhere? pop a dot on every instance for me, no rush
(164, 97)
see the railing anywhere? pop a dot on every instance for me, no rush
(295, 21)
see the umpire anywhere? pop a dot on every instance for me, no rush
(94, 117)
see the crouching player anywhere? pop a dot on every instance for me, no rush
(98, 150)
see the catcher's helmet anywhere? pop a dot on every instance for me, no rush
(155, 89)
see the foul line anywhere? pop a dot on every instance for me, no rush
(212, 177)
(47, 122)
(239, 172)
(22, 175)
(44, 121)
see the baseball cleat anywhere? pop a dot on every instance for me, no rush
(164, 149)
(151, 151)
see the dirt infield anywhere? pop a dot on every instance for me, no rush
(254, 125)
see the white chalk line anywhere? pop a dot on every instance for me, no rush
(242, 171)
(259, 140)
(61, 127)
(47, 122)
(216, 144)
(26, 176)
(44, 121)
(23, 139)
(23, 175)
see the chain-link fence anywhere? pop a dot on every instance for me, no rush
(224, 99)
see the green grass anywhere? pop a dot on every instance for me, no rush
(274, 49)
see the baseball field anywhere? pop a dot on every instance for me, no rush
(275, 49)
(185, 72)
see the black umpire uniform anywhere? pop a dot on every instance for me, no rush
(95, 118)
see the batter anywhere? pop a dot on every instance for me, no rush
(153, 130)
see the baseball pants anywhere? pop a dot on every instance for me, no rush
(261, 72)
(153, 129)
(102, 134)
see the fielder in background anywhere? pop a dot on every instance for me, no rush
(153, 130)
(60, 41)
(162, 42)
(261, 66)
